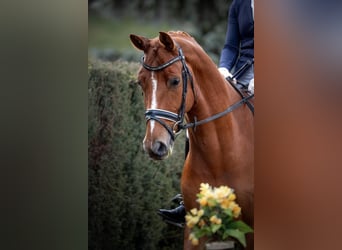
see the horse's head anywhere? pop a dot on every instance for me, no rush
(164, 78)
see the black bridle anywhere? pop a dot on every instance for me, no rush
(160, 114)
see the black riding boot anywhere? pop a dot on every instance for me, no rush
(174, 216)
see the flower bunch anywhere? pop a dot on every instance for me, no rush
(217, 216)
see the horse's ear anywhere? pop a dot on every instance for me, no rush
(139, 42)
(166, 40)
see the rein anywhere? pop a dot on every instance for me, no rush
(218, 115)
(160, 114)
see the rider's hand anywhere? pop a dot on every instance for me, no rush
(225, 72)
(227, 75)
(251, 86)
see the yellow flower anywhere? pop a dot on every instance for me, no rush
(222, 192)
(188, 217)
(218, 202)
(232, 197)
(203, 201)
(191, 221)
(193, 218)
(236, 211)
(193, 211)
(204, 188)
(215, 220)
(225, 203)
(206, 191)
(194, 240)
(211, 202)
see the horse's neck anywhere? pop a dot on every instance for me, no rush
(214, 95)
(212, 92)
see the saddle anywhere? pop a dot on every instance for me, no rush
(243, 92)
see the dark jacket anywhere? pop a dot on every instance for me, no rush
(239, 44)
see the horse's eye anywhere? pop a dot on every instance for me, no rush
(174, 81)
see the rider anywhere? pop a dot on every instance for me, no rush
(239, 44)
(238, 50)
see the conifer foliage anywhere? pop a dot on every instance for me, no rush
(125, 187)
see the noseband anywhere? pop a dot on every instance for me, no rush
(159, 114)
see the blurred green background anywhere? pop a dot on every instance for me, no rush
(111, 22)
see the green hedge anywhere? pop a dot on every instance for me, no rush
(126, 187)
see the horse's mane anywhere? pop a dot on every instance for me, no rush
(196, 50)
(179, 33)
(184, 36)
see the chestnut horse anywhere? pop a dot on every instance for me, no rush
(181, 84)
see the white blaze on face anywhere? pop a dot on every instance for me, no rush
(153, 102)
(154, 97)
(154, 105)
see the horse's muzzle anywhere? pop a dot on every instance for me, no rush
(159, 150)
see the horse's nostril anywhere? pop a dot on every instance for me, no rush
(159, 148)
